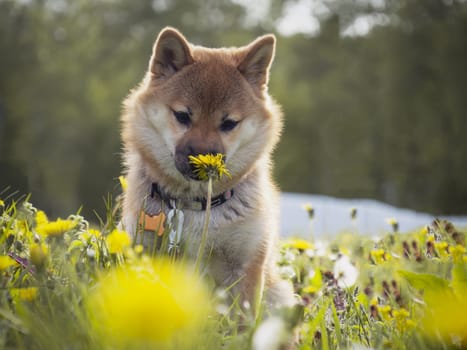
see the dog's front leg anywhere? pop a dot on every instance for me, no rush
(252, 285)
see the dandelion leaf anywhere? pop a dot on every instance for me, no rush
(424, 281)
(432, 286)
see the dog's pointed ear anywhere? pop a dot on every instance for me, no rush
(170, 54)
(257, 59)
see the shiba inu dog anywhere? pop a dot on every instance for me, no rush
(195, 100)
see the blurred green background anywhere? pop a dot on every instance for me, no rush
(374, 93)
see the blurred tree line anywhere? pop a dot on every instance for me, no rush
(379, 116)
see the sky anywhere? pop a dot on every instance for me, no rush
(301, 16)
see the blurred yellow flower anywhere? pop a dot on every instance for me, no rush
(55, 228)
(90, 234)
(442, 249)
(6, 262)
(379, 256)
(41, 218)
(385, 311)
(446, 316)
(394, 224)
(298, 243)
(149, 302)
(117, 241)
(123, 182)
(403, 320)
(457, 253)
(209, 166)
(24, 294)
(2, 203)
(310, 210)
(401, 313)
(139, 249)
(391, 221)
(38, 254)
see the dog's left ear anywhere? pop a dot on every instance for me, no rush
(170, 54)
(257, 60)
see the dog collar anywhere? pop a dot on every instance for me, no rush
(198, 204)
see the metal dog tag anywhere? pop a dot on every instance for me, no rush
(175, 219)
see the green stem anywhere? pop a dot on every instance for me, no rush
(204, 233)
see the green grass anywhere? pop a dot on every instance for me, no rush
(62, 283)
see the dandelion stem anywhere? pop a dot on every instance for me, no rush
(204, 232)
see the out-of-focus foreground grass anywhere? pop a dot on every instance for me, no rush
(64, 284)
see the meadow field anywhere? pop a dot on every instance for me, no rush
(67, 285)
(374, 100)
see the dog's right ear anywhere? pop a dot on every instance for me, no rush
(170, 54)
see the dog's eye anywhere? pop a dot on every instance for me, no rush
(183, 118)
(228, 125)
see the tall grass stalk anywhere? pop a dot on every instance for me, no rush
(204, 232)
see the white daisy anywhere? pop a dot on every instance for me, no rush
(270, 335)
(345, 272)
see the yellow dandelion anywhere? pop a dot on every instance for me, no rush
(2, 203)
(298, 243)
(38, 254)
(394, 224)
(401, 313)
(442, 249)
(385, 311)
(445, 316)
(391, 221)
(41, 218)
(378, 256)
(139, 249)
(148, 303)
(310, 210)
(55, 228)
(117, 241)
(209, 166)
(24, 294)
(123, 182)
(90, 234)
(457, 253)
(6, 262)
(402, 319)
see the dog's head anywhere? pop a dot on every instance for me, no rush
(196, 100)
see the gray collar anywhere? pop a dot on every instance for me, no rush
(198, 204)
